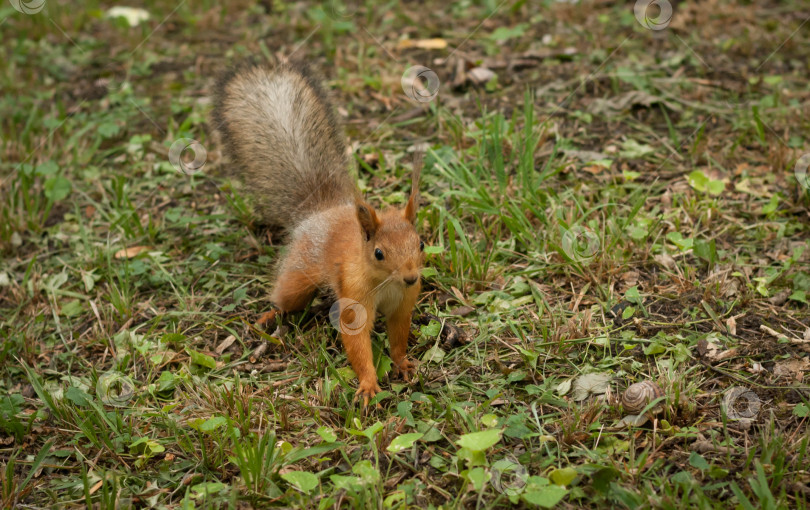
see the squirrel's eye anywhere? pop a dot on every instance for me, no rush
(378, 254)
(421, 246)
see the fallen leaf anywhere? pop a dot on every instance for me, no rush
(793, 369)
(594, 169)
(628, 100)
(425, 44)
(480, 75)
(630, 279)
(265, 318)
(372, 159)
(225, 344)
(779, 298)
(631, 149)
(96, 487)
(590, 384)
(462, 311)
(258, 352)
(731, 324)
(633, 420)
(132, 251)
(665, 260)
(707, 349)
(586, 156)
(458, 294)
(730, 353)
(703, 446)
(711, 351)
(435, 355)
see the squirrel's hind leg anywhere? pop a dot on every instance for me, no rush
(293, 291)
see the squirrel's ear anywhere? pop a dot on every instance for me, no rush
(410, 208)
(369, 222)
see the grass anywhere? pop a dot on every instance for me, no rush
(614, 205)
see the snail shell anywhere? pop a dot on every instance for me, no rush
(637, 396)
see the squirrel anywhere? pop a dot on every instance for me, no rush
(281, 131)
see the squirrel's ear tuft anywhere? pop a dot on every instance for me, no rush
(369, 222)
(411, 207)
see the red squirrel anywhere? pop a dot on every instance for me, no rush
(281, 131)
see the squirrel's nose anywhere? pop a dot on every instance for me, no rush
(411, 280)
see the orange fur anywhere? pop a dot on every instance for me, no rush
(281, 131)
(335, 250)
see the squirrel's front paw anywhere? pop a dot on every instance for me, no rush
(367, 390)
(405, 368)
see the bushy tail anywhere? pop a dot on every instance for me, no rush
(281, 132)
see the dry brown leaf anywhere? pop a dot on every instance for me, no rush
(628, 100)
(665, 259)
(132, 251)
(594, 169)
(707, 349)
(792, 369)
(731, 324)
(96, 487)
(730, 353)
(265, 318)
(707, 447)
(586, 156)
(779, 298)
(629, 279)
(462, 311)
(225, 344)
(480, 75)
(711, 351)
(732, 288)
(425, 44)
(458, 294)
(258, 352)
(592, 384)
